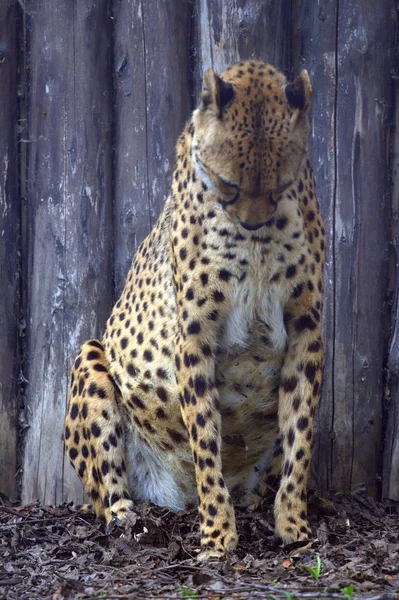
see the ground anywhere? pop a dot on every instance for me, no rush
(57, 553)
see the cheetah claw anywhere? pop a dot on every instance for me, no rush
(115, 522)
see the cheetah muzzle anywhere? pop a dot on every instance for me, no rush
(204, 387)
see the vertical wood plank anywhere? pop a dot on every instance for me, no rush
(391, 441)
(228, 31)
(152, 105)
(9, 248)
(314, 48)
(69, 216)
(365, 59)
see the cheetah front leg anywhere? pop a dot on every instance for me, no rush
(199, 400)
(298, 396)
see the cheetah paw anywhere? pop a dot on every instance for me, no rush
(218, 549)
(292, 533)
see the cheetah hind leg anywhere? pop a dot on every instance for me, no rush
(94, 435)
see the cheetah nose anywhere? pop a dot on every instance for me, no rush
(250, 227)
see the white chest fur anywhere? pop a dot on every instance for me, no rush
(253, 301)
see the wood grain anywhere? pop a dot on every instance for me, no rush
(152, 105)
(10, 239)
(69, 216)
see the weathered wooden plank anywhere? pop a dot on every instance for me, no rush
(69, 187)
(231, 30)
(391, 442)
(9, 248)
(152, 105)
(364, 94)
(314, 48)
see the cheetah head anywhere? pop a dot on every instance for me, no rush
(250, 138)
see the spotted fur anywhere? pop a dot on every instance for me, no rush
(205, 385)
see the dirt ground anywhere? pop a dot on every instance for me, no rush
(58, 552)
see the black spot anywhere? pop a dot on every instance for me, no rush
(305, 322)
(96, 431)
(213, 447)
(290, 271)
(147, 354)
(212, 510)
(297, 291)
(131, 370)
(200, 420)
(67, 433)
(302, 423)
(296, 403)
(300, 454)
(281, 222)
(162, 394)
(100, 367)
(224, 275)
(160, 413)
(218, 296)
(193, 359)
(74, 411)
(96, 344)
(115, 498)
(291, 437)
(206, 350)
(73, 453)
(310, 372)
(289, 383)
(137, 401)
(194, 328)
(200, 385)
(288, 468)
(92, 389)
(314, 347)
(93, 355)
(176, 436)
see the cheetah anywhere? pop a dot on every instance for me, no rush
(204, 387)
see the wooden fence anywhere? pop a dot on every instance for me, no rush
(93, 95)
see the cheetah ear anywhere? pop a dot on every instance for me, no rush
(216, 93)
(299, 92)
